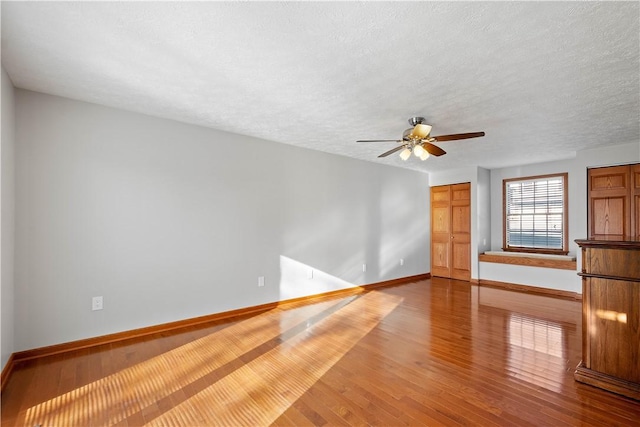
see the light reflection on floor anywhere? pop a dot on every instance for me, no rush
(536, 343)
(535, 334)
(219, 380)
(536, 328)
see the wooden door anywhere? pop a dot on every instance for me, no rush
(635, 201)
(614, 202)
(461, 231)
(451, 231)
(441, 231)
(609, 210)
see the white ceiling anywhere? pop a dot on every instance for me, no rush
(543, 80)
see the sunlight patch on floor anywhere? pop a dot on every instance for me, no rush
(133, 389)
(246, 374)
(259, 392)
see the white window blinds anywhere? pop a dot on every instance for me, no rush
(535, 213)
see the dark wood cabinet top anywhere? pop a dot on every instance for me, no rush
(613, 243)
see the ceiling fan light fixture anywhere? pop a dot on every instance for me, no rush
(405, 154)
(418, 140)
(421, 131)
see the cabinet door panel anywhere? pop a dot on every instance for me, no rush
(608, 216)
(635, 226)
(611, 180)
(635, 202)
(614, 334)
(609, 208)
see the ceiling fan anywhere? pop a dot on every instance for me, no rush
(418, 140)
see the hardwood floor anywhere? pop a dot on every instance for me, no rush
(434, 352)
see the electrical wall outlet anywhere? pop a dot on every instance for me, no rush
(310, 273)
(401, 261)
(364, 268)
(260, 281)
(96, 303)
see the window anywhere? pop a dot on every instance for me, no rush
(535, 214)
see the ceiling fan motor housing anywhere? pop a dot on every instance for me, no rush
(416, 121)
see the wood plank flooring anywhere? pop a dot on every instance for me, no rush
(434, 352)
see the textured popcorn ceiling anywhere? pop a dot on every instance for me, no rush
(543, 80)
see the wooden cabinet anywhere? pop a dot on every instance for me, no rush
(614, 202)
(451, 231)
(635, 201)
(611, 316)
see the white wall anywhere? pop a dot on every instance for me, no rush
(577, 170)
(550, 278)
(484, 210)
(7, 217)
(169, 221)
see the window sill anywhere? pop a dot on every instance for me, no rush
(564, 262)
